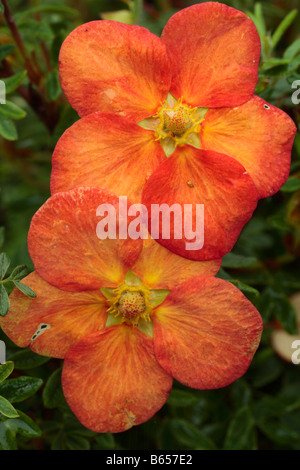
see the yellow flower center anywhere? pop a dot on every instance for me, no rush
(131, 302)
(176, 124)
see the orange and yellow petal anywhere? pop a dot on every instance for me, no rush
(259, 135)
(206, 333)
(50, 323)
(218, 182)
(64, 246)
(114, 67)
(214, 52)
(159, 268)
(112, 380)
(107, 151)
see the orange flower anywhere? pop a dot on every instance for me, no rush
(127, 317)
(174, 119)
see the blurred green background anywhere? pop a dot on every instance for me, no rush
(259, 411)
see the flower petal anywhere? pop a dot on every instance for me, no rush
(55, 319)
(107, 151)
(259, 135)
(220, 183)
(161, 269)
(112, 381)
(114, 67)
(65, 248)
(214, 52)
(206, 333)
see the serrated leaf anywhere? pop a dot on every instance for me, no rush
(7, 128)
(5, 50)
(4, 264)
(25, 289)
(12, 83)
(19, 389)
(26, 359)
(5, 370)
(7, 409)
(4, 301)
(188, 435)
(52, 393)
(11, 111)
(24, 426)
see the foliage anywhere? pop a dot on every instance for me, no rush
(259, 411)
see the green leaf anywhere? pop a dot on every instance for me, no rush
(19, 272)
(4, 301)
(283, 26)
(2, 236)
(292, 184)
(188, 435)
(35, 30)
(240, 434)
(46, 8)
(52, 393)
(7, 437)
(274, 304)
(75, 442)
(7, 409)
(279, 432)
(181, 398)
(53, 86)
(5, 370)
(269, 407)
(274, 62)
(25, 289)
(240, 394)
(4, 264)
(249, 291)
(12, 83)
(7, 128)
(26, 359)
(11, 111)
(265, 368)
(58, 442)
(105, 441)
(231, 260)
(5, 50)
(24, 426)
(292, 50)
(19, 389)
